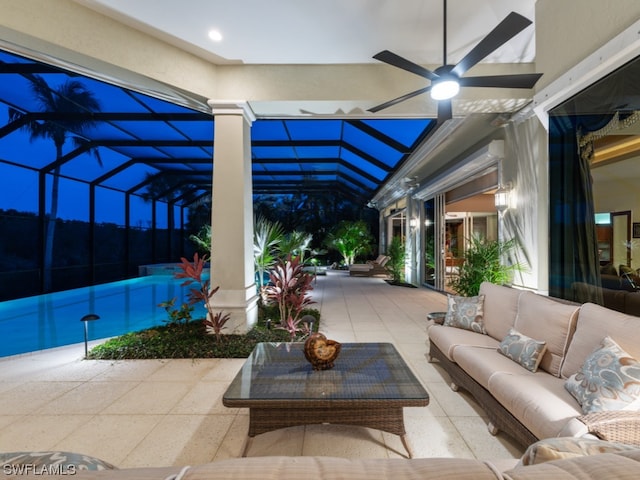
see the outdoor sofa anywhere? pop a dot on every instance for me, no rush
(586, 380)
(563, 459)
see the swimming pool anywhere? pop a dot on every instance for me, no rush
(53, 320)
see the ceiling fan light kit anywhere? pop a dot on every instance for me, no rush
(446, 80)
(444, 89)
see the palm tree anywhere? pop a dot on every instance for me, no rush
(267, 237)
(71, 98)
(350, 239)
(296, 244)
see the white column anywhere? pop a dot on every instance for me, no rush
(411, 241)
(232, 266)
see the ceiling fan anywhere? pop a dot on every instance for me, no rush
(446, 80)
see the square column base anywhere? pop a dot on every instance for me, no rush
(242, 305)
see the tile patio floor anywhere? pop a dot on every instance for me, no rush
(170, 412)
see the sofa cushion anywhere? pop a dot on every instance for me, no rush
(538, 400)
(448, 339)
(295, 468)
(551, 449)
(482, 363)
(523, 350)
(595, 323)
(548, 320)
(609, 379)
(466, 313)
(500, 308)
(621, 465)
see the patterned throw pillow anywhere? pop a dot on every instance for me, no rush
(522, 349)
(609, 379)
(466, 312)
(50, 463)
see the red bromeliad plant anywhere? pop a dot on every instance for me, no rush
(215, 322)
(289, 288)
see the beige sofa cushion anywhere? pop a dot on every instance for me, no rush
(500, 308)
(550, 449)
(548, 320)
(594, 324)
(449, 338)
(296, 468)
(622, 465)
(483, 363)
(538, 400)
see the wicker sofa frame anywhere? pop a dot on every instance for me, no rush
(499, 417)
(614, 426)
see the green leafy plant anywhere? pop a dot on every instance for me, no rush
(188, 342)
(192, 272)
(267, 237)
(192, 341)
(396, 253)
(350, 239)
(202, 239)
(289, 288)
(483, 262)
(297, 244)
(177, 316)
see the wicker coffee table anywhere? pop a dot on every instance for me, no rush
(369, 386)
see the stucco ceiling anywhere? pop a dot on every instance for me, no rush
(324, 32)
(279, 33)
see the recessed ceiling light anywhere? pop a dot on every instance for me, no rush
(215, 35)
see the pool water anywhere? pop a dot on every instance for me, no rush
(53, 320)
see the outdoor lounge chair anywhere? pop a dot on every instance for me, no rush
(371, 268)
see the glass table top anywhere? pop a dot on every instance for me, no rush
(362, 371)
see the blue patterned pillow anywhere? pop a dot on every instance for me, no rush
(522, 349)
(609, 379)
(466, 313)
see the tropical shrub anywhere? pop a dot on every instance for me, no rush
(177, 315)
(396, 263)
(350, 239)
(483, 262)
(289, 288)
(296, 244)
(192, 272)
(267, 237)
(202, 240)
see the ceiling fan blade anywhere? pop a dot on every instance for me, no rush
(395, 101)
(397, 61)
(513, 24)
(524, 80)
(445, 111)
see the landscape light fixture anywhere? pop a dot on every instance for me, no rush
(86, 319)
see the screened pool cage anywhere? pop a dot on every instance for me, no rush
(98, 179)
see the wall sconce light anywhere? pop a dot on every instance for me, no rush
(502, 199)
(413, 223)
